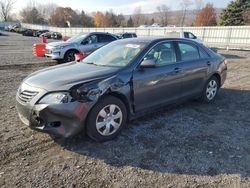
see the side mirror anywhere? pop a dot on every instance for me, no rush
(148, 63)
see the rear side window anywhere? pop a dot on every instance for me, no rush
(188, 51)
(185, 35)
(105, 38)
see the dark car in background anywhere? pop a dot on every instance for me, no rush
(52, 35)
(116, 83)
(28, 32)
(47, 35)
(39, 32)
(56, 35)
(126, 35)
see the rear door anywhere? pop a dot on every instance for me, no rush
(159, 84)
(194, 64)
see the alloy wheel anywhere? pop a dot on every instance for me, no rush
(70, 57)
(211, 91)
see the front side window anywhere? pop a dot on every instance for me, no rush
(77, 38)
(162, 54)
(90, 40)
(188, 51)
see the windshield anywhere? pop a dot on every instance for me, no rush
(115, 54)
(77, 38)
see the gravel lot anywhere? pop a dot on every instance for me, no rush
(16, 49)
(189, 145)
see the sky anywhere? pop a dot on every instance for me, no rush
(118, 6)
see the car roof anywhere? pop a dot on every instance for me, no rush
(95, 33)
(92, 33)
(156, 39)
(126, 33)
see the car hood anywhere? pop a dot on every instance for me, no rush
(59, 44)
(63, 77)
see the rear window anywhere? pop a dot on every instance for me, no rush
(188, 51)
(106, 38)
(203, 54)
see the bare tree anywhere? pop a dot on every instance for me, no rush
(185, 5)
(206, 16)
(246, 16)
(163, 10)
(46, 9)
(31, 15)
(6, 6)
(138, 18)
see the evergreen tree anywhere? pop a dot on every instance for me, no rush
(152, 21)
(234, 13)
(130, 22)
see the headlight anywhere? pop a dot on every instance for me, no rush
(59, 48)
(56, 98)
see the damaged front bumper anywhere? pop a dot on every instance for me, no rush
(65, 120)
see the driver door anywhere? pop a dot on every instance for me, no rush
(89, 44)
(159, 84)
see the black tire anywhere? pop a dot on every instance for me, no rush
(70, 56)
(209, 97)
(94, 115)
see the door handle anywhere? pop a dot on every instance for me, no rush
(177, 70)
(208, 63)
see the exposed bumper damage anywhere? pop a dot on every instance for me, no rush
(59, 119)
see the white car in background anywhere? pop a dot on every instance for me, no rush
(183, 34)
(82, 43)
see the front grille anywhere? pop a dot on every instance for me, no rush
(26, 96)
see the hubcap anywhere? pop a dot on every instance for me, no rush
(211, 89)
(109, 120)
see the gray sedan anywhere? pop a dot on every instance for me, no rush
(116, 83)
(81, 43)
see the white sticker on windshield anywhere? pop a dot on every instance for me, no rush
(133, 46)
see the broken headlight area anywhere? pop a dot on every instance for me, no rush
(87, 94)
(56, 98)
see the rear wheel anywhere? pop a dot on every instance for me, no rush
(106, 119)
(211, 89)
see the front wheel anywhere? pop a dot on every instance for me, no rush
(70, 56)
(210, 91)
(106, 119)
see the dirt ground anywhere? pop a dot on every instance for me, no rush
(188, 145)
